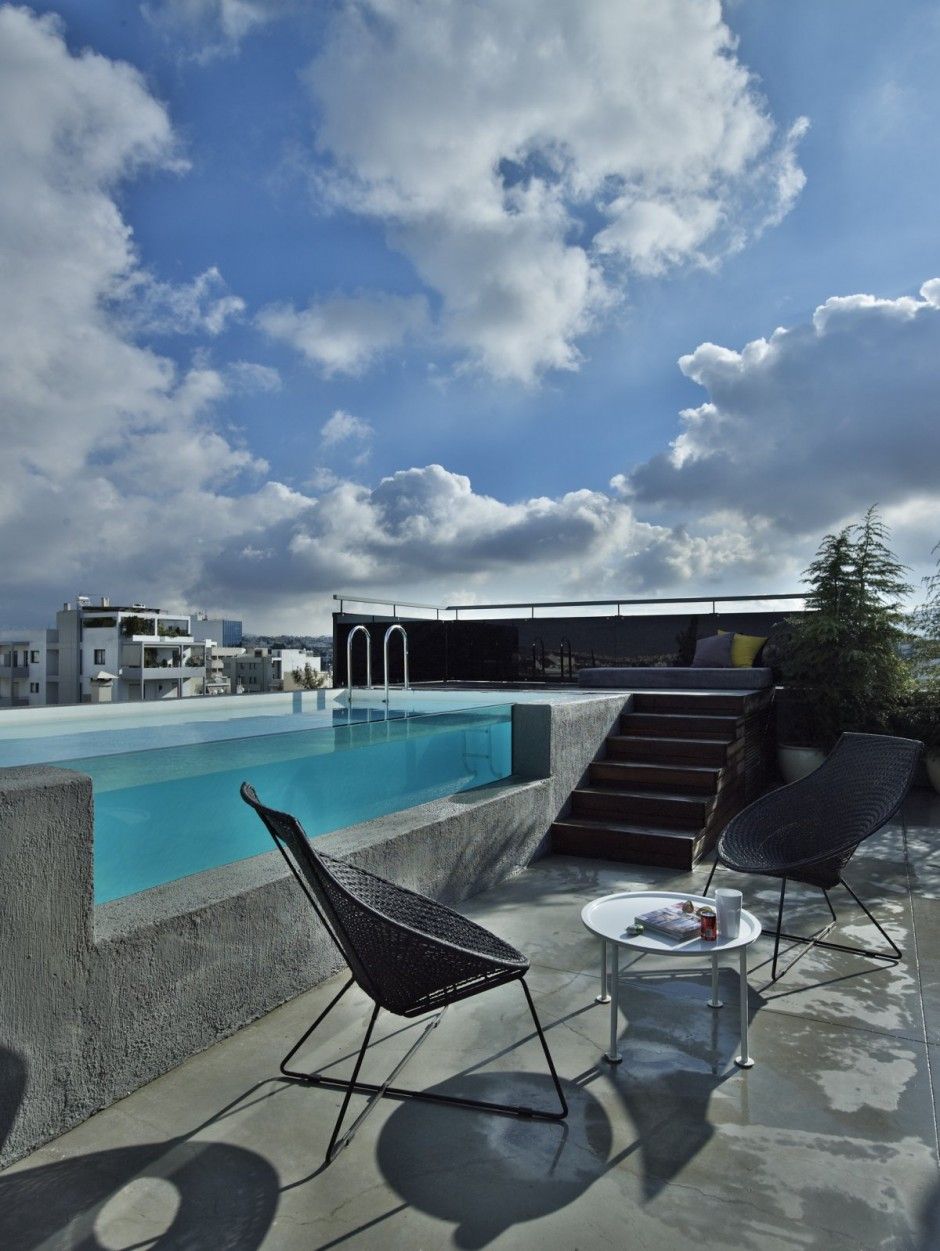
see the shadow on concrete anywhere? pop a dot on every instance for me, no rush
(486, 1174)
(12, 1088)
(181, 1194)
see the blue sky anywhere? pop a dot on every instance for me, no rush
(391, 296)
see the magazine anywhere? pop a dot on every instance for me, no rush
(672, 921)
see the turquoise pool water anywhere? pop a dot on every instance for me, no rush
(165, 811)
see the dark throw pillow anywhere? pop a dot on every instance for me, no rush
(713, 652)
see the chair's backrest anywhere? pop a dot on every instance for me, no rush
(317, 880)
(824, 816)
(862, 783)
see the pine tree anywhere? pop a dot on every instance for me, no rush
(845, 662)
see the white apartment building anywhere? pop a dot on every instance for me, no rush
(258, 670)
(25, 674)
(124, 653)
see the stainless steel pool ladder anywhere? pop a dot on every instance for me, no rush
(404, 642)
(349, 642)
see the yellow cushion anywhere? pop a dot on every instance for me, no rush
(744, 648)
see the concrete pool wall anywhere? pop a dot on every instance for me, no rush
(95, 1002)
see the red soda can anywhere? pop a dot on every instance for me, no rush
(709, 929)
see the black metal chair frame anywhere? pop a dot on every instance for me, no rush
(318, 877)
(821, 791)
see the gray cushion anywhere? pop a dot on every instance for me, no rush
(713, 652)
(663, 678)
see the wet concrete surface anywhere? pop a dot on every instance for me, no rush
(830, 1141)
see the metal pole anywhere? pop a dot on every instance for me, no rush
(349, 642)
(613, 1055)
(744, 1060)
(603, 997)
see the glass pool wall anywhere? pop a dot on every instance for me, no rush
(164, 812)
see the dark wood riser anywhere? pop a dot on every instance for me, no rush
(679, 767)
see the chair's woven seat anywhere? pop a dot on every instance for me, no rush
(419, 954)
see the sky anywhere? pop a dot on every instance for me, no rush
(461, 300)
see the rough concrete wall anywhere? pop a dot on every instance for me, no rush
(45, 952)
(559, 741)
(87, 1015)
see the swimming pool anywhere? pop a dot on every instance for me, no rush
(165, 782)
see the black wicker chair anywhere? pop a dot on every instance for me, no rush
(408, 953)
(808, 831)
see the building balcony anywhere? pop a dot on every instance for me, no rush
(151, 673)
(14, 671)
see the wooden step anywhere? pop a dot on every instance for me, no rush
(679, 725)
(697, 751)
(675, 811)
(630, 842)
(694, 702)
(640, 774)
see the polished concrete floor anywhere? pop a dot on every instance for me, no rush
(830, 1141)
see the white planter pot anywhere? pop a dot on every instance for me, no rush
(933, 769)
(797, 762)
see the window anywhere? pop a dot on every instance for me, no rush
(34, 658)
(99, 655)
(34, 688)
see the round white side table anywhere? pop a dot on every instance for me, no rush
(609, 918)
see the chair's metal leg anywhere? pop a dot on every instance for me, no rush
(302, 1077)
(773, 967)
(349, 1089)
(710, 876)
(898, 953)
(818, 939)
(558, 1116)
(385, 1089)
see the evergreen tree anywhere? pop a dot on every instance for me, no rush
(845, 661)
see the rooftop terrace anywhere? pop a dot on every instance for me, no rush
(830, 1141)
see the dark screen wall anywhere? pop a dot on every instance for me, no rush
(549, 649)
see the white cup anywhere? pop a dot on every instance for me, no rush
(728, 907)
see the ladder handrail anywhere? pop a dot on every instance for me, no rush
(349, 642)
(404, 640)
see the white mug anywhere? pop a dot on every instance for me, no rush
(728, 907)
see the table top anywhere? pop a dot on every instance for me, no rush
(609, 917)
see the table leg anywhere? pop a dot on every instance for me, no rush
(613, 1055)
(744, 1060)
(603, 997)
(715, 1002)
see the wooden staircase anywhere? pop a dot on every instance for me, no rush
(677, 768)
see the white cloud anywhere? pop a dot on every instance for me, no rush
(345, 334)
(813, 424)
(343, 427)
(212, 28)
(252, 376)
(526, 157)
(112, 469)
(117, 477)
(201, 306)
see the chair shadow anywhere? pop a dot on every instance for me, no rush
(486, 1174)
(201, 1195)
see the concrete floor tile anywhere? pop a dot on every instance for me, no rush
(829, 1142)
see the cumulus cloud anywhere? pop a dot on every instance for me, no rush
(527, 157)
(345, 334)
(813, 424)
(116, 467)
(111, 461)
